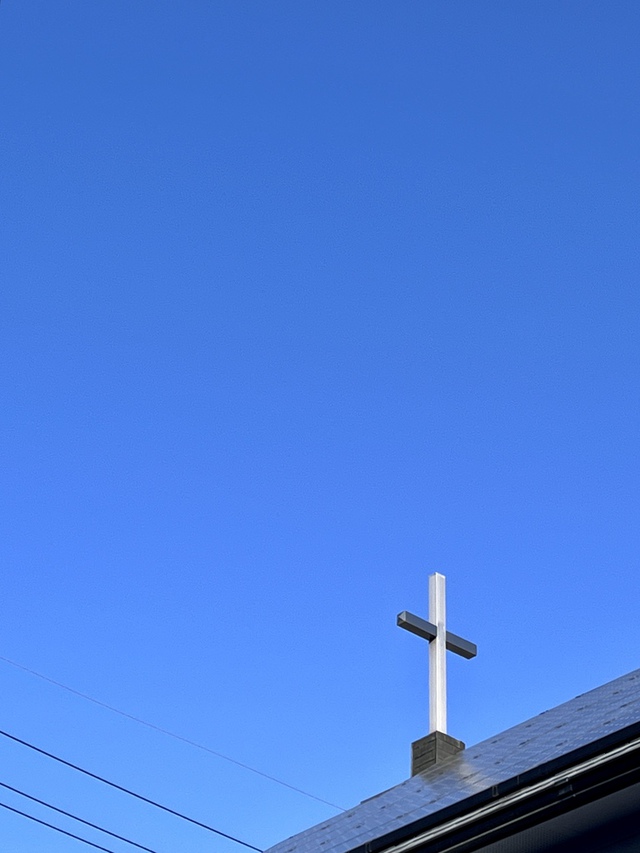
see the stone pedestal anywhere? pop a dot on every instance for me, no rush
(433, 749)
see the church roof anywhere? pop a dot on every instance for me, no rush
(575, 731)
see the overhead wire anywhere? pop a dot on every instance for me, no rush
(171, 734)
(56, 828)
(131, 793)
(75, 817)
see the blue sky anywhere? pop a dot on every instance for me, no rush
(300, 302)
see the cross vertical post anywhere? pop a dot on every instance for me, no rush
(438, 655)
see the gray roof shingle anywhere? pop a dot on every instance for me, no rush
(549, 737)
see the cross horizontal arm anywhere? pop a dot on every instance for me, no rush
(461, 647)
(428, 631)
(418, 626)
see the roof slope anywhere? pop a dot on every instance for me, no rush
(550, 737)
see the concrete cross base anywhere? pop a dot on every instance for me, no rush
(433, 749)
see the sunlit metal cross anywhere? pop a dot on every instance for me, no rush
(435, 631)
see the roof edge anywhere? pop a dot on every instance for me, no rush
(498, 794)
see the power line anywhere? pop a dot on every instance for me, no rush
(75, 817)
(172, 734)
(56, 828)
(130, 793)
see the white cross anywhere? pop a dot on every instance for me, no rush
(435, 631)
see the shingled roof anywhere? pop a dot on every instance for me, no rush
(575, 731)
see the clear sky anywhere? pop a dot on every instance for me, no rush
(299, 302)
